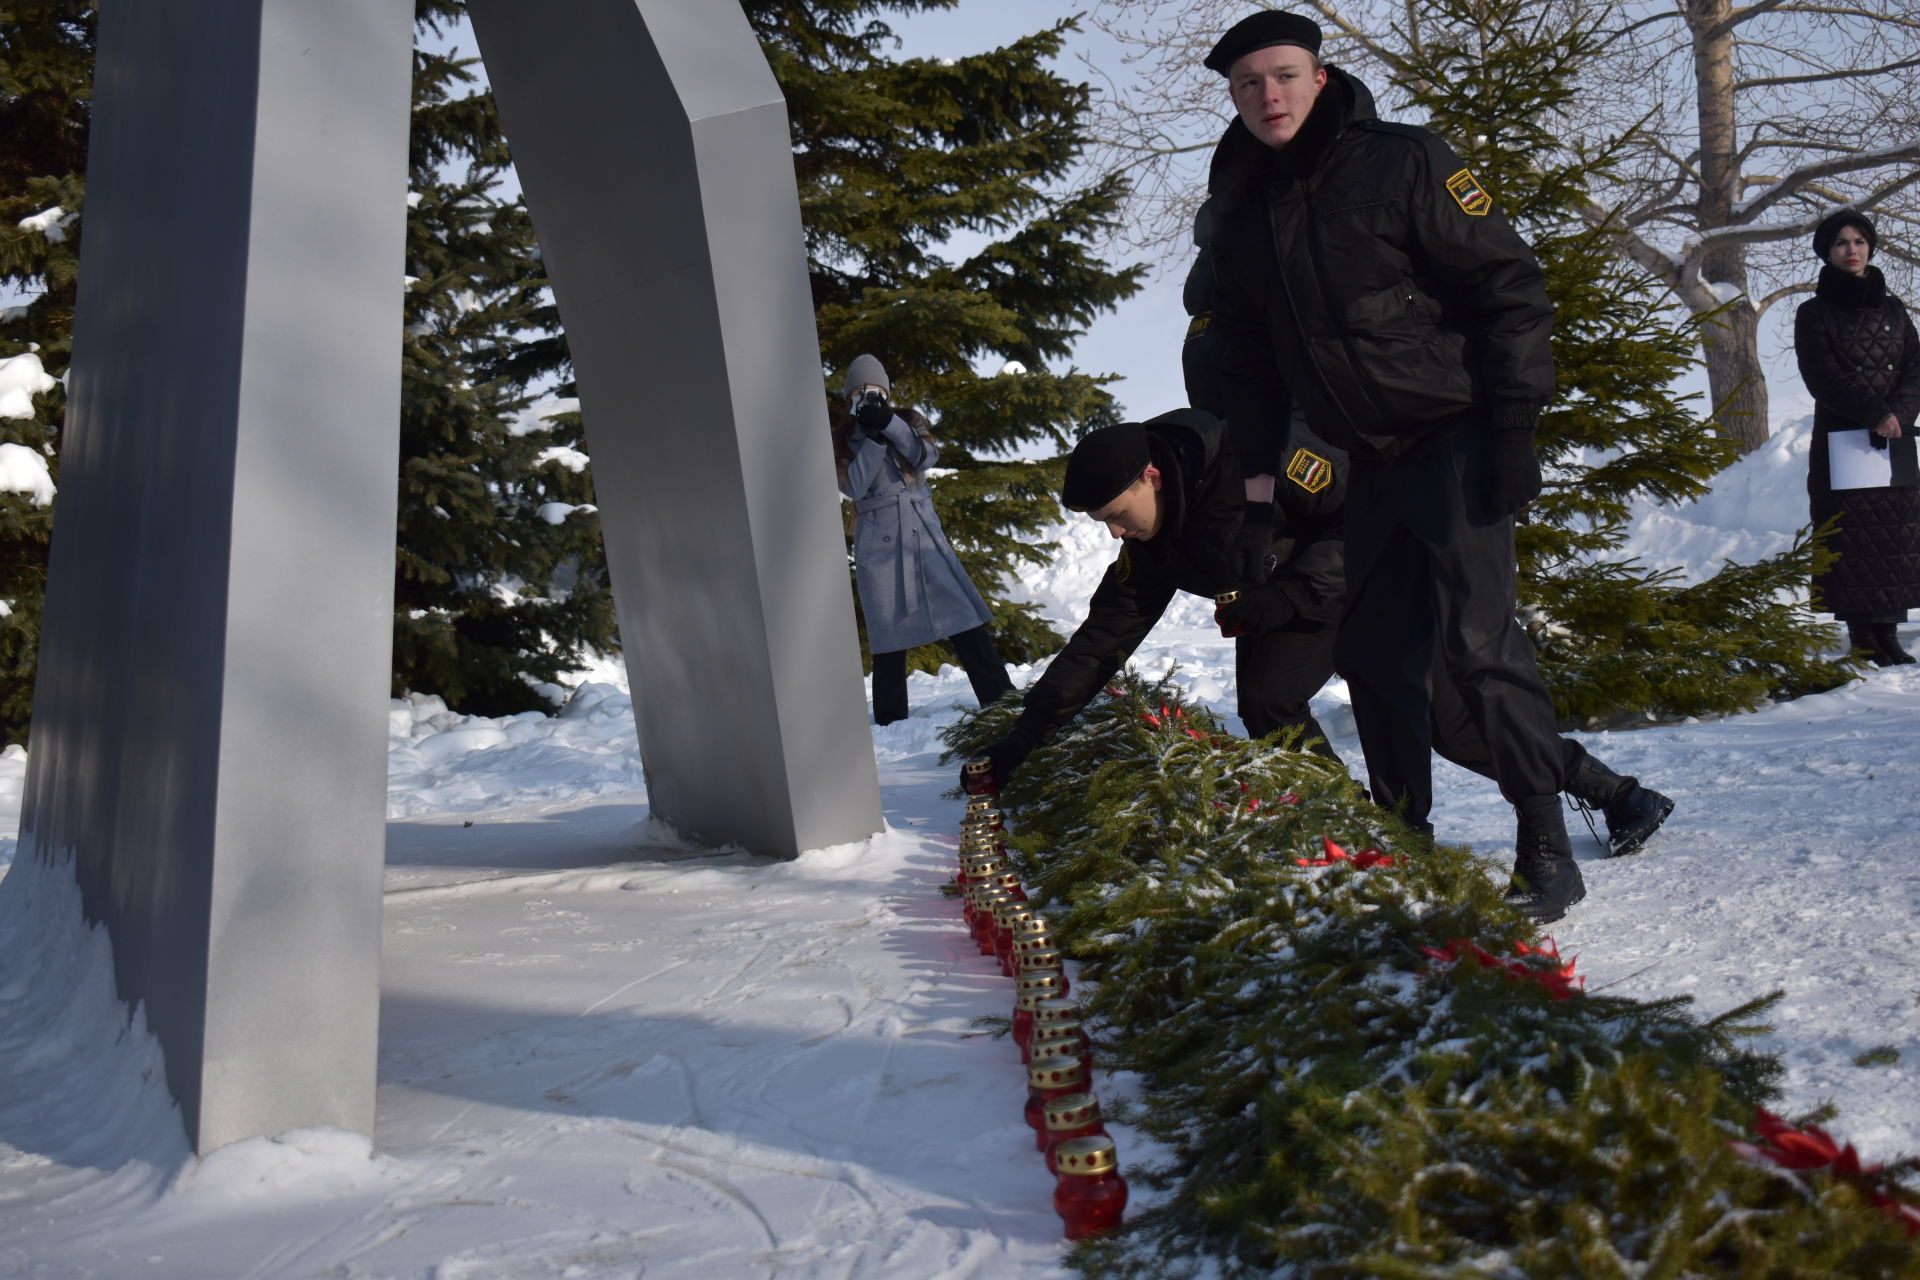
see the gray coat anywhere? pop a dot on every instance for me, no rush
(912, 588)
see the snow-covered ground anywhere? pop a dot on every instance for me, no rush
(606, 1055)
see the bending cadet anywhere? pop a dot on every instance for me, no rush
(1173, 495)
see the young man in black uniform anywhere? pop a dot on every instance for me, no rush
(1174, 496)
(1366, 276)
(1632, 812)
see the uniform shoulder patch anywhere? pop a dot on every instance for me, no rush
(1309, 470)
(1198, 325)
(1469, 194)
(1123, 566)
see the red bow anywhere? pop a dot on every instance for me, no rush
(1814, 1148)
(1559, 979)
(1334, 853)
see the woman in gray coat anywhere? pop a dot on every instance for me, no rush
(912, 588)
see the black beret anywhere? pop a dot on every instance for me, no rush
(1828, 231)
(1263, 31)
(1104, 463)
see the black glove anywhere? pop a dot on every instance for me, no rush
(873, 415)
(1256, 611)
(1513, 472)
(1009, 753)
(1248, 552)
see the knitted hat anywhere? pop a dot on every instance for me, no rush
(1828, 231)
(1263, 30)
(867, 371)
(1104, 463)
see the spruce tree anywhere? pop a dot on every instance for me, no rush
(46, 75)
(1616, 638)
(501, 580)
(895, 159)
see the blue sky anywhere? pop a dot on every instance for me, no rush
(1141, 339)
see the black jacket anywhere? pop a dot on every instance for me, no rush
(1860, 358)
(1205, 497)
(1362, 272)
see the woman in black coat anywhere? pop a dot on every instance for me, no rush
(1860, 358)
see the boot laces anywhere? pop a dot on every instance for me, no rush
(1586, 812)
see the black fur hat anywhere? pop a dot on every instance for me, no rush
(1829, 230)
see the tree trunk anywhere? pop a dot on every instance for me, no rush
(1731, 338)
(1735, 380)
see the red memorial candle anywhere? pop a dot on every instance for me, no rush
(1091, 1195)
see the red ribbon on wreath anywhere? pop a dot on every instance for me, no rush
(1559, 979)
(1335, 854)
(1812, 1147)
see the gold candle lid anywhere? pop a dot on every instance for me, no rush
(1008, 880)
(1035, 987)
(1010, 912)
(986, 896)
(1067, 1029)
(979, 764)
(1067, 1073)
(980, 802)
(1227, 597)
(1055, 1009)
(1071, 1111)
(1041, 958)
(1053, 1051)
(1026, 940)
(1037, 925)
(1086, 1156)
(983, 866)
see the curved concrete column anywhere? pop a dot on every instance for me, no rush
(209, 743)
(652, 144)
(209, 735)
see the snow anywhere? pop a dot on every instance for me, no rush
(51, 223)
(570, 458)
(557, 512)
(606, 1053)
(22, 470)
(22, 377)
(539, 415)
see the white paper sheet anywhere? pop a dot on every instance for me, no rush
(1853, 462)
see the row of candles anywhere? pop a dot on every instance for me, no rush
(1090, 1195)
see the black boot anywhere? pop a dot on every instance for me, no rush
(1633, 812)
(1886, 639)
(1861, 635)
(1546, 880)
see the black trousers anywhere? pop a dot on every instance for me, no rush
(1275, 674)
(1456, 738)
(1430, 580)
(974, 648)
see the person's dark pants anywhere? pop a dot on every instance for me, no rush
(1276, 674)
(1455, 738)
(1423, 570)
(974, 648)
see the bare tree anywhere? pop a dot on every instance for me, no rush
(1749, 123)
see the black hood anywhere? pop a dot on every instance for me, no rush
(1241, 158)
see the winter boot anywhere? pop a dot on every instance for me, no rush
(1861, 635)
(1546, 880)
(1886, 639)
(1633, 812)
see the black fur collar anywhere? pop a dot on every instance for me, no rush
(1844, 290)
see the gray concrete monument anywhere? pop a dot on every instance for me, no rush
(651, 141)
(209, 724)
